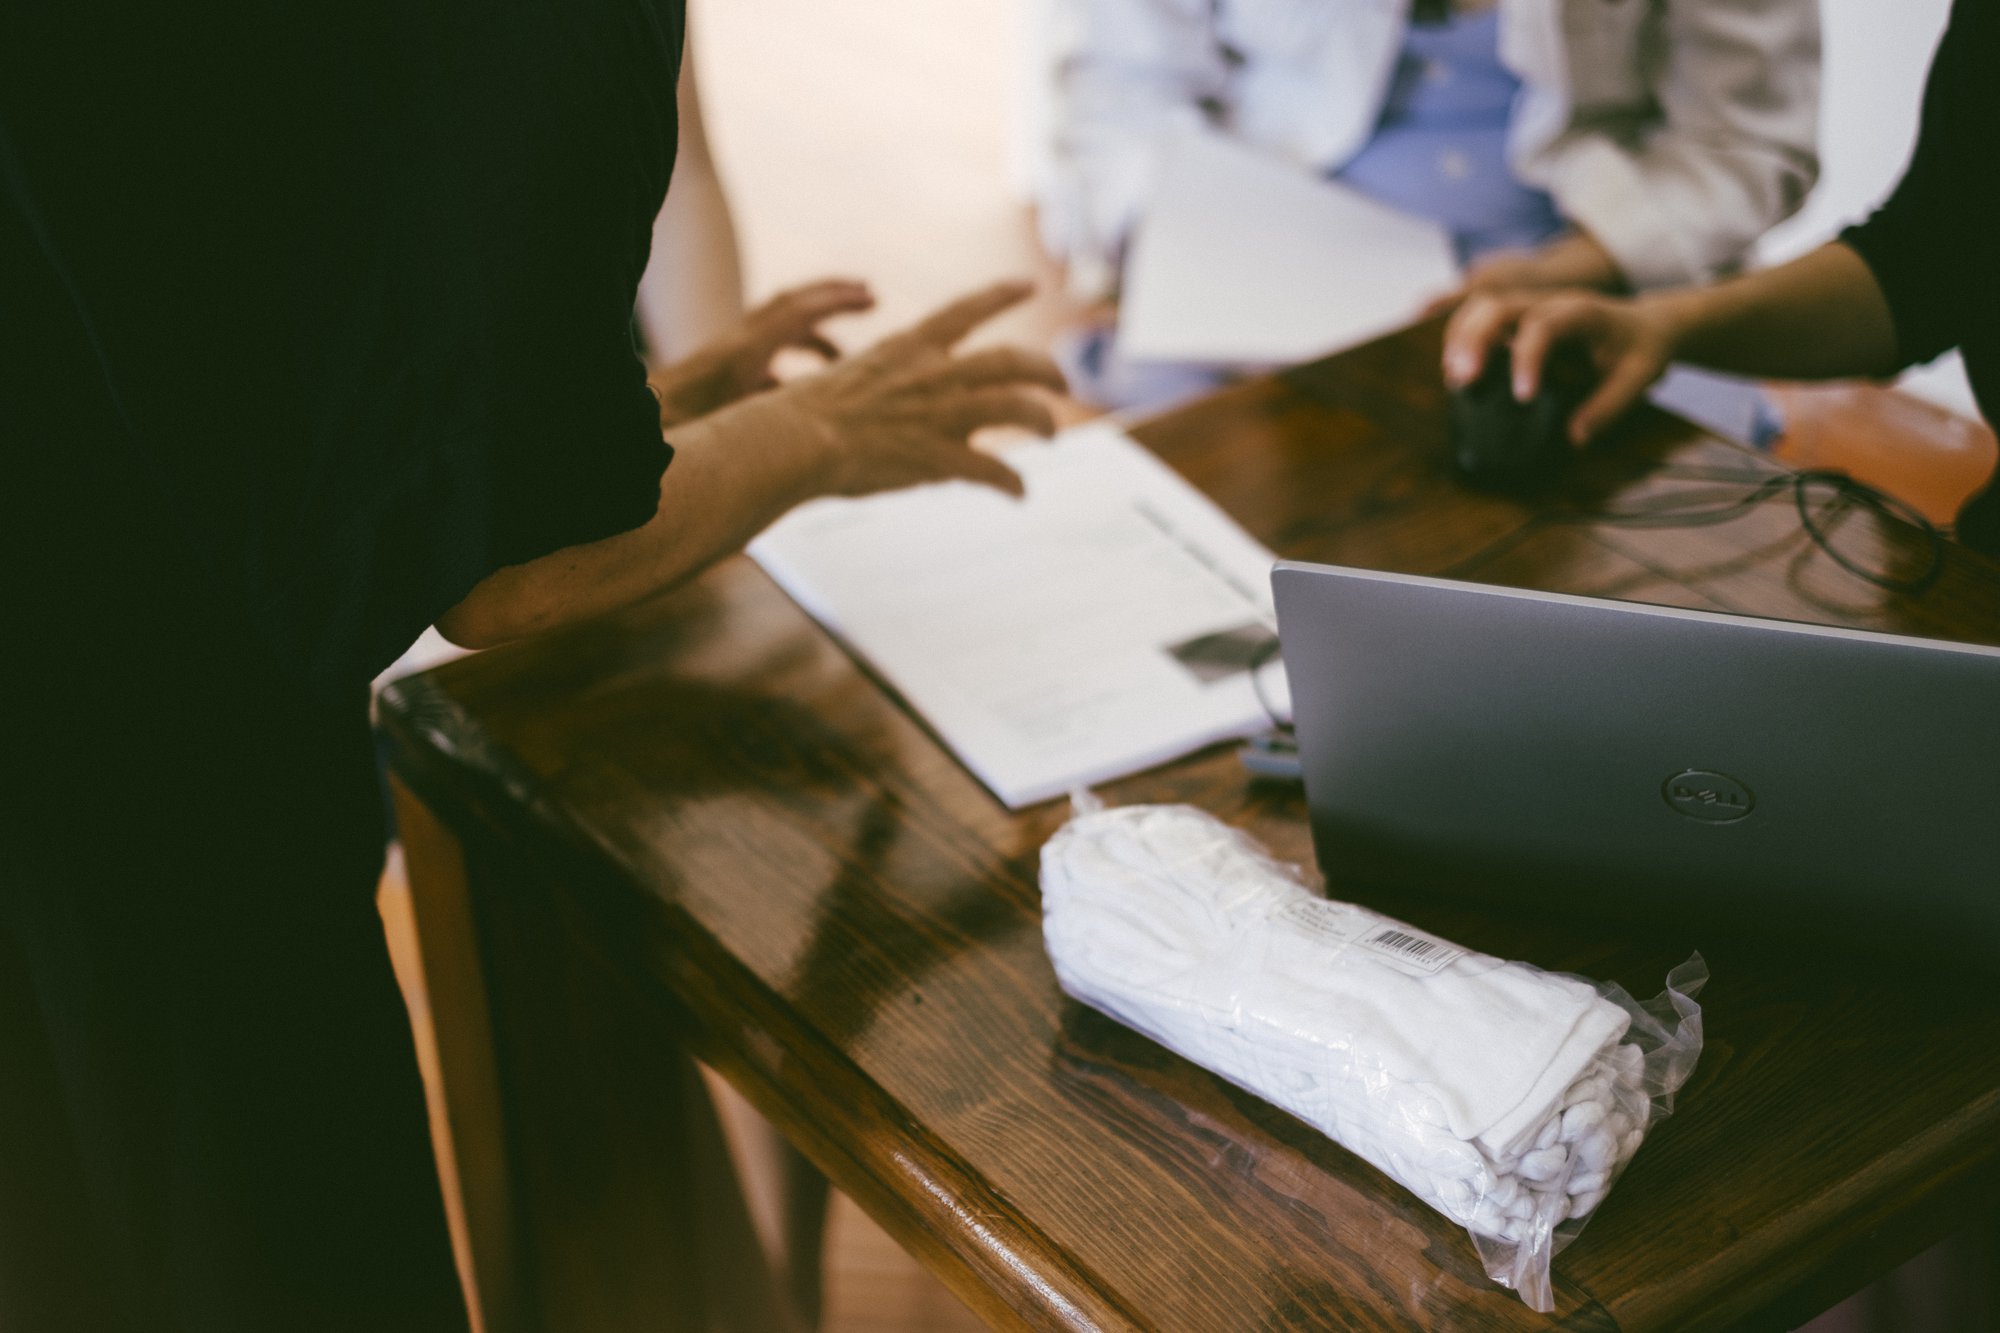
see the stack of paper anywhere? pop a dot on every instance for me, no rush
(1106, 623)
(1245, 259)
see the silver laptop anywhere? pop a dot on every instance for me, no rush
(1618, 755)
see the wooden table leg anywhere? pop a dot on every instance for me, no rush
(599, 1193)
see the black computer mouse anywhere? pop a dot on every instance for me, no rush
(1497, 441)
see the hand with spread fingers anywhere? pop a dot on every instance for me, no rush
(738, 364)
(1628, 343)
(902, 412)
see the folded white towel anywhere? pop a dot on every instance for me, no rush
(1501, 1094)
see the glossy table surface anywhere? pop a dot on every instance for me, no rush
(846, 924)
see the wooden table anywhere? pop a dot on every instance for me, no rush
(699, 827)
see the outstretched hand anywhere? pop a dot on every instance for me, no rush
(902, 412)
(738, 364)
(899, 414)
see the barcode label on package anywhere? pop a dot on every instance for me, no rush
(1342, 925)
(1413, 950)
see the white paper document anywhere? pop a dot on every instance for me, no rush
(1245, 259)
(1105, 624)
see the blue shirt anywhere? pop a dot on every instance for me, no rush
(1440, 148)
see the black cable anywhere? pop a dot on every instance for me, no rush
(1710, 507)
(1887, 506)
(1266, 653)
(1701, 509)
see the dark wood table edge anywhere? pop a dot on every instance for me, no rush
(463, 781)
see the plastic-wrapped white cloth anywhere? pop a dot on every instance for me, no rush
(1508, 1098)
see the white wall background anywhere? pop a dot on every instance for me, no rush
(1877, 55)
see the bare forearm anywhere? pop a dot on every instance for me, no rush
(732, 475)
(1821, 316)
(900, 414)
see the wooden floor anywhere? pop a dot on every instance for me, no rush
(882, 141)
(874, 1287)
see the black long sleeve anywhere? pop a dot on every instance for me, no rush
(356, 283)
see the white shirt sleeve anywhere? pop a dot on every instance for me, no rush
(1127, 74)
(1733, 151)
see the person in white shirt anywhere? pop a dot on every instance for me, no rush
(1605, 144)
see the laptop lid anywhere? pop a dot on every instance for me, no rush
(1624, 756)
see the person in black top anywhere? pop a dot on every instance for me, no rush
(315, 329)
(1921, 276)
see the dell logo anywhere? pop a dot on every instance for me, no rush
(1713, 798)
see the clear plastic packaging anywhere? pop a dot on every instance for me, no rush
(1508, 1098)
